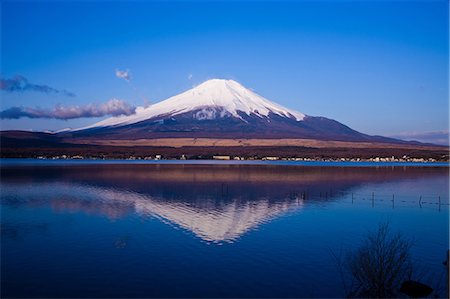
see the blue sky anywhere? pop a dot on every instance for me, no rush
(380, 67)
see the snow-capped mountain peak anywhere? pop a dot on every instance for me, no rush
(212, 99)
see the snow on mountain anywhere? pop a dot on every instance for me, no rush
(212, 99)
(61, 131)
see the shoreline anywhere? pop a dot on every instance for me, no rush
(317, 163)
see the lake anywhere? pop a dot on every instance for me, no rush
(173, 229)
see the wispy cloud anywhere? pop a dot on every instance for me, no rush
(113, 107)
(21, 84)
(125, 74)
(436, 137)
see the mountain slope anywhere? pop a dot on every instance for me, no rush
(212, 99)
(219, 109)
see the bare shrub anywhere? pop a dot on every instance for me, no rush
(380, 265)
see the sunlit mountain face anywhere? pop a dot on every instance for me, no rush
(216, 203)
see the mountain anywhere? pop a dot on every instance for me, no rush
(220, 108)
(217, 117)
(210, 100)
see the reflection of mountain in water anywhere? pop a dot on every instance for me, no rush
(213, 221)
(216, 203)
(226, 223)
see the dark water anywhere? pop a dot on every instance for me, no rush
(168, 230)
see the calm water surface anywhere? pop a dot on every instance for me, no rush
(179, 230)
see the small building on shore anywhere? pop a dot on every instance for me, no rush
(221, 157)
(271, 158)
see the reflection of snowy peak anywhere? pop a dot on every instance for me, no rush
(212, 221)
(212, 99)
(223, 224)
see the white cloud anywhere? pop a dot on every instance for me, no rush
(125, 74)
(113, 107)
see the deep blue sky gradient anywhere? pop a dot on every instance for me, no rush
(380, 67)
